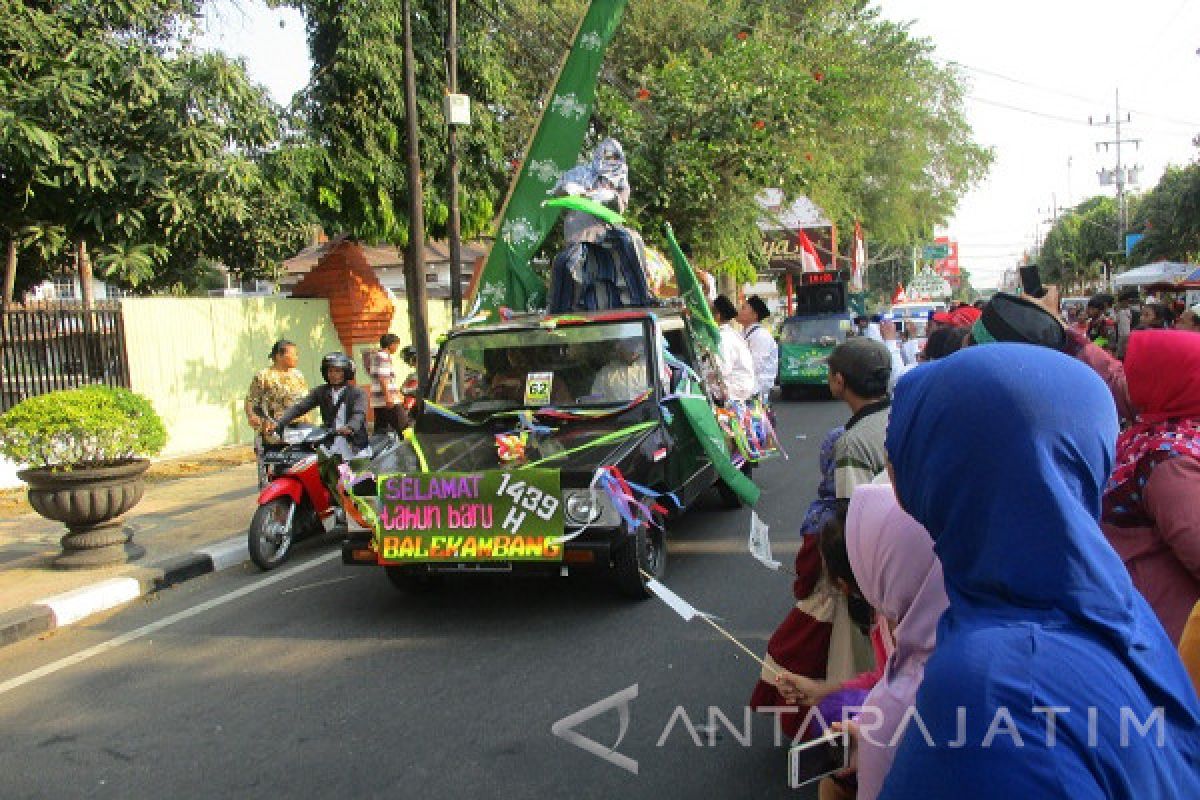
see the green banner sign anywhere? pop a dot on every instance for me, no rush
(804, 363)
(933, 252)
(492, 515)
(507, 279)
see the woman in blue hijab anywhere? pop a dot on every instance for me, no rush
(1051, 678)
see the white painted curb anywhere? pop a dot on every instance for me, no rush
(70, 607)
(228, 553)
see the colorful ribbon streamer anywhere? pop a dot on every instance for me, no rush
(607, 438)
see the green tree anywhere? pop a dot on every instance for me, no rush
(717, 100)
(1081, 244)
(354, 109)
(142, 153)
(1169, 215)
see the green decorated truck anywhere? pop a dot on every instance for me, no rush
(806, 338)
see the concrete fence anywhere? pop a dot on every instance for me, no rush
(194, 358)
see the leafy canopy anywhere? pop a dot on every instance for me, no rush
(116, 133)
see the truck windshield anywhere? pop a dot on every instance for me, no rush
(579, 365)
(825, 332)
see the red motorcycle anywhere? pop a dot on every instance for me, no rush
(295, 504)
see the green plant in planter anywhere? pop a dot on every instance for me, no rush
(94, 426)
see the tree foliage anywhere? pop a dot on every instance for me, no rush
(1169, 215)
(117, 134)
(354, 109)
(718, 100)
(1080, 243)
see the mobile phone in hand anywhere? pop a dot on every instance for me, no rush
(819, 758)
(1031, 281)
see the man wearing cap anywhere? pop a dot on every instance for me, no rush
(859, 371)
(1008, 318)
(761, 343)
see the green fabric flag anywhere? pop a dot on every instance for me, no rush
(699, 415)
(692, 293)
(507, 278)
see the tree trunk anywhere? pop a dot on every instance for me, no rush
(727, 286)
(10, 271)
(84, 265)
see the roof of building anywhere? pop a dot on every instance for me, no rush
(383, 256)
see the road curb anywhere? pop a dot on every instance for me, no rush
(77, 605)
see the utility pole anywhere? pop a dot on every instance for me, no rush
(455, 232)
(414, 259)
(1119, 176)
(1069, 195)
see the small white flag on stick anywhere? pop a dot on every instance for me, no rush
(760, 543)
(680, 606)
(689, 612)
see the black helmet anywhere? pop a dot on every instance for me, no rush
(340, 360)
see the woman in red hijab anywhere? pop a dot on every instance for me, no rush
(1151, 513)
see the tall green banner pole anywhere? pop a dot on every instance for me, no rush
(507, 278)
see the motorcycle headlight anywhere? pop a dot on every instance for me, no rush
(589, 507)
(293, 435)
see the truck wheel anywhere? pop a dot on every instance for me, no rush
(645, 550)
(411, 581)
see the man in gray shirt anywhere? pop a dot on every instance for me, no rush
(859, 370)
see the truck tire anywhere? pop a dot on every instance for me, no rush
(645, 550)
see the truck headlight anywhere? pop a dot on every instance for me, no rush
(589, 507)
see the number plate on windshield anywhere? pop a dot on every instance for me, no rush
(485, 516)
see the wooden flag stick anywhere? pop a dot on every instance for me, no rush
(725, 633)
(743, 647)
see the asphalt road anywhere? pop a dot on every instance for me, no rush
(323, 681)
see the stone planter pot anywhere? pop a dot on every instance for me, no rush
(90, 501)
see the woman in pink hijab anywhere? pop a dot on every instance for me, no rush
(899, 575)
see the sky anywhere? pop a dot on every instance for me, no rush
(1035, 72)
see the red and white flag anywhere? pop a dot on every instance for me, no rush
(899, 297)
(858, 261)
(809, 260)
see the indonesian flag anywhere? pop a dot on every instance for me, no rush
(858, 261)
(809, 260)
(899, 297)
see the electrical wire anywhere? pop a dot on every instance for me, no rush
(1071, 95)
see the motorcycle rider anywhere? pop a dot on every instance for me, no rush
(343, 406)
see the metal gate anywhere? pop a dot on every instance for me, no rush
(46, 347)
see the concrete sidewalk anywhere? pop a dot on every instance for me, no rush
(189, 526)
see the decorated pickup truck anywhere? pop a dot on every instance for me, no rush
(551, 445)
(805, 342)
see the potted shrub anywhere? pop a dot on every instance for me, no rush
(84, 451)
